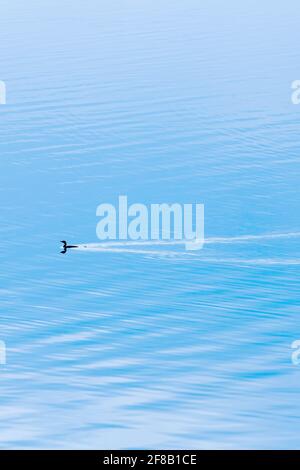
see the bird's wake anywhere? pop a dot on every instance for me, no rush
(155, 248)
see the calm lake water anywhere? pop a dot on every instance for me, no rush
(164, 102)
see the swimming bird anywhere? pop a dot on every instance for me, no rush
(66, 246)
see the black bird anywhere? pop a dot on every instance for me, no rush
(67, 246)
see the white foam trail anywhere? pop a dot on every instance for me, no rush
(249, 238)
(196, 257)
(255, 261)
(111, 249)
(208, 241)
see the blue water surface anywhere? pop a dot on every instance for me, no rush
(162, 101)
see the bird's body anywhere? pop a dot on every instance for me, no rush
(66, 246)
